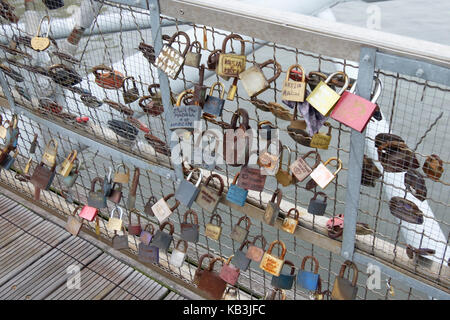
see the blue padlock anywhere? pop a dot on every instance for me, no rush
(284, 280)
(9, 160)
(236, 194)
(307, 279)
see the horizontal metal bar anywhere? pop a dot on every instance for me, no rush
(133, 3)
(402, 277)
(413, 67)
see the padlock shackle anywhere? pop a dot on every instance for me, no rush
(277, 69)
(72, 156)
(213, 261)
(281, 156)
(297, 213)
(114, 186)
(346, 83)
(125, 168)
(192, 214)
(288, 72)
(222, 92)
(290, 263)
(55, 145)
(353, 88)
(120, 212)
(213, 55)
(199, 180)
(135, 181)
(377, 90)
(316, 74)
(261, 123)
(247, 221)
(316, 263)
(235, 37)
(152, 232)
(40, 24)
(170, 224)
(218, 219)
(177, 203)
(243, 244)
(324, 195)
(278, 194)
(218, 177)
(77, 208)
(203, 257)
(137, 214)
(152, 89)
(318, 159)
(237, 115)
(183, 34)
(94, 181)
(181, 95)
(95, 70)
(263, 241)
(228, 261)
(196, 44)
(185, 245)
(337, 160)
(124, 86)
(355, 271)
(283, 247)
(236, 177)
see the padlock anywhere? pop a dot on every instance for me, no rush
(231, 64)
(122, 177)
(240, 259)
(199, 271)
(155, 106)
(12, 132)
(213, 60)
(271, 263)
(50, 153)
(253, 78)
(148, 52)
(199, 88)
(2, 127)
(28, 166)
(39, 43)
(177, 257)
(265, 130)
(335, 226)
(323, 98)
(64, 75)
(131, 203)
(96, 199)
(272, 295)
(213, 106)
(251, 179)
(405, 210)
(42, 176)
(189, 230)
(213, 231)
(148, 206)
(343, 289)
(67, 165)
(185, 117)
(108, 182)
(269, 161)
(69, 181)
(120, 242)
(161, 209)
(211, 283)
(170, 60)
(207, 198)
(307, 279)
(207, 154)
(318, 207)
(314, 78)
(162, 239)
(300, 168)
(396, 156)
(415, 184)
(88, 213)
(297, 129)
(235, 194)
(192, 59)
(355, 111)
(146, 236)
(133, 228)
(433, 167)
(130, 95)
(285, 177)
(237, 142)
(239, 234)
(229, 273)
(231, 293)
(107, 78)
(53, 4)
(290, 223)
(322, 176)
(369, 172)
(115, 224)
(116, 193)
(9, 160)
(187, 192)
(321, 140)
(273, 208)
(255, 253)
(148, 253)
(294, 90)
(74, 224)
(284, 280)
(90, 101)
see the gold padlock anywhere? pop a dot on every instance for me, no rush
(285, 176)
(322, 176)
(3, 130)
(213, 231)
(115, 224)
(294, 90)
(273, 264)
(231, 64)
(122, 177)
(28, 166)
(50, 152)
(67, 165)
(41, 43)
(321, 140)
(290, 223)
(323, 98)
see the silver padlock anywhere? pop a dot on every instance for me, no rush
(178, 256)
(187, 192)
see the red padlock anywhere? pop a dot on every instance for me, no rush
(88, 213)
(229, 273)
(335, 226)
(82, 119)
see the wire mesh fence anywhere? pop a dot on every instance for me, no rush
(139, 128)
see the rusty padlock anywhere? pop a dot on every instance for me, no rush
(271, 263)
(239, 234)
(74, 224)
(256, 253)
(199, 271)
(290, 223)
(190, 230)
(148, 206)
(433, 167)
(273, 208)
(200, 88)
(229, 273)
(211, 283)
(237, 140)
(251, 179)
(207, 198)
(63, 75)
(231, 64)
(116, 193)
(285, 177)
(300, 168)
(321, 140)
(192, 59)
(130, 95)
(107, 78)
(134, 229)
(253, 78)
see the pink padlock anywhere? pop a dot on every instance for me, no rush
(229, 273)
(88, 213)
(335, 226)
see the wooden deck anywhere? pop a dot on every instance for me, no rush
(35, 255)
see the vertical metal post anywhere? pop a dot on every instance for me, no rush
(7, 92)
(153, 6)
(357, 145)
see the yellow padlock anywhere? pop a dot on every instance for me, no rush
(50, 152)
(323, 98)
(122, 177)
(41, 43)
(271, 263)
(115, 224)
(67, 165)
(321, 140)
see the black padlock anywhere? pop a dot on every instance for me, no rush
(53, 4)
(318, 207)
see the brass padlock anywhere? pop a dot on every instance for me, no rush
(107, 78)
(294, 90)
(67, 165)
(192, 59)
(74, 224)
(213, 231)
(285, 177)
(433, 167)
(231, 64)
(207, 198)
(130, 95)
(253, 78)
(290, 223)
(122, 177)
(322, 176)
(41, 43)
(50, 153)
(321, 140)
(273, 208)
(271, 263)
(115, 224)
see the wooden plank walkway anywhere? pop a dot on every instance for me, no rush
(35, 255)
